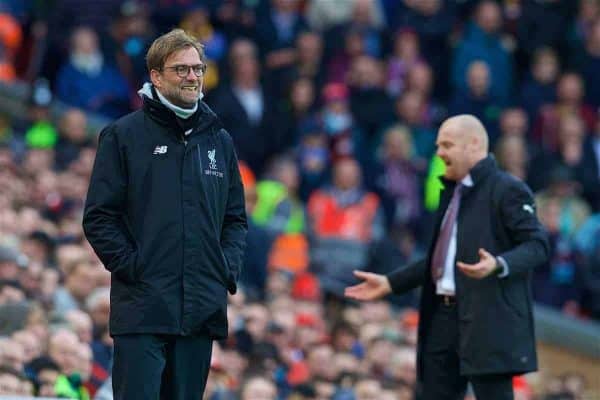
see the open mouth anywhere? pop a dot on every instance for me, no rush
(192, 89)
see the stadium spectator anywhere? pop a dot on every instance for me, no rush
(278, 208)
(10, 382)
(37, 130)
(420, 79)
(309, 58)
(580, 27)
(433, 21)
(570, 101)
(276, 31)
(571, 154)
(299, 111)
(410, 108)
(370, 105)
(258, 388)
(344, 136)
(405, 55)
(128, 37)
(478, 99)
(338, 64)
(86, 81)
(323, 14)
(539, 25)
(72, 139)
(79, 283)
(11, 37)
(511, 153)
(197, 22)
(482, 42)
(344, 219)
(245, 106)
(539, 87)
(396, 178)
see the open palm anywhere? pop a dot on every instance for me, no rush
(373, 287)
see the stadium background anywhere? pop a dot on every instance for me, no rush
(333, 106)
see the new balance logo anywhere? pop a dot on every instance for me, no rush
(528, 208)
(160, 150)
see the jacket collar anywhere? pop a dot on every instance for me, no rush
(479, 171)
(203, 119)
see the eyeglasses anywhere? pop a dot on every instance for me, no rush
(183, 70)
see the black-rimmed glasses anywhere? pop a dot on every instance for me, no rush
(183, 70)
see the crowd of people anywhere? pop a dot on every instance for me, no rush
(333, 107)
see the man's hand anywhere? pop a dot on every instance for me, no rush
(374, 287)
(485, 266)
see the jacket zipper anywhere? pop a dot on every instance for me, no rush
(203, 189)
(182, 328)
(218, 234)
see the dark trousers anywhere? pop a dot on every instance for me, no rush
(165, 367)
(441, 375)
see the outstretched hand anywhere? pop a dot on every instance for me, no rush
(373, 287)
(485, 266)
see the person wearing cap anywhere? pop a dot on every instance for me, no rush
(165, 214)
(345, 138)
(476, 317)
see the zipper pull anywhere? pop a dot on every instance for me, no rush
(185, 135)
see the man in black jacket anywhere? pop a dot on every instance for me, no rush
(165, 214)
(476, 321)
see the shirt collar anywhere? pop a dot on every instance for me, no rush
(467, 180)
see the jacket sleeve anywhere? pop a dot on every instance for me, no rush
(235, 227)
(408, 277)
(518, 218)
(104, 214)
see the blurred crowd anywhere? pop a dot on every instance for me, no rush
(333, 106)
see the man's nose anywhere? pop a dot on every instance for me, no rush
(190, 71)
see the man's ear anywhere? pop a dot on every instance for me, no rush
(475, 142)
(156, 78)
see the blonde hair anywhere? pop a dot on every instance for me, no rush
(168, 44)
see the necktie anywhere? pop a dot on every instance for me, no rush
(438, 260)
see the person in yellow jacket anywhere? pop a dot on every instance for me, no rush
(70, 387)
(278, 208)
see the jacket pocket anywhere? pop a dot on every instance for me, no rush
(230, 279)
(128, 272)
(511, 296)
